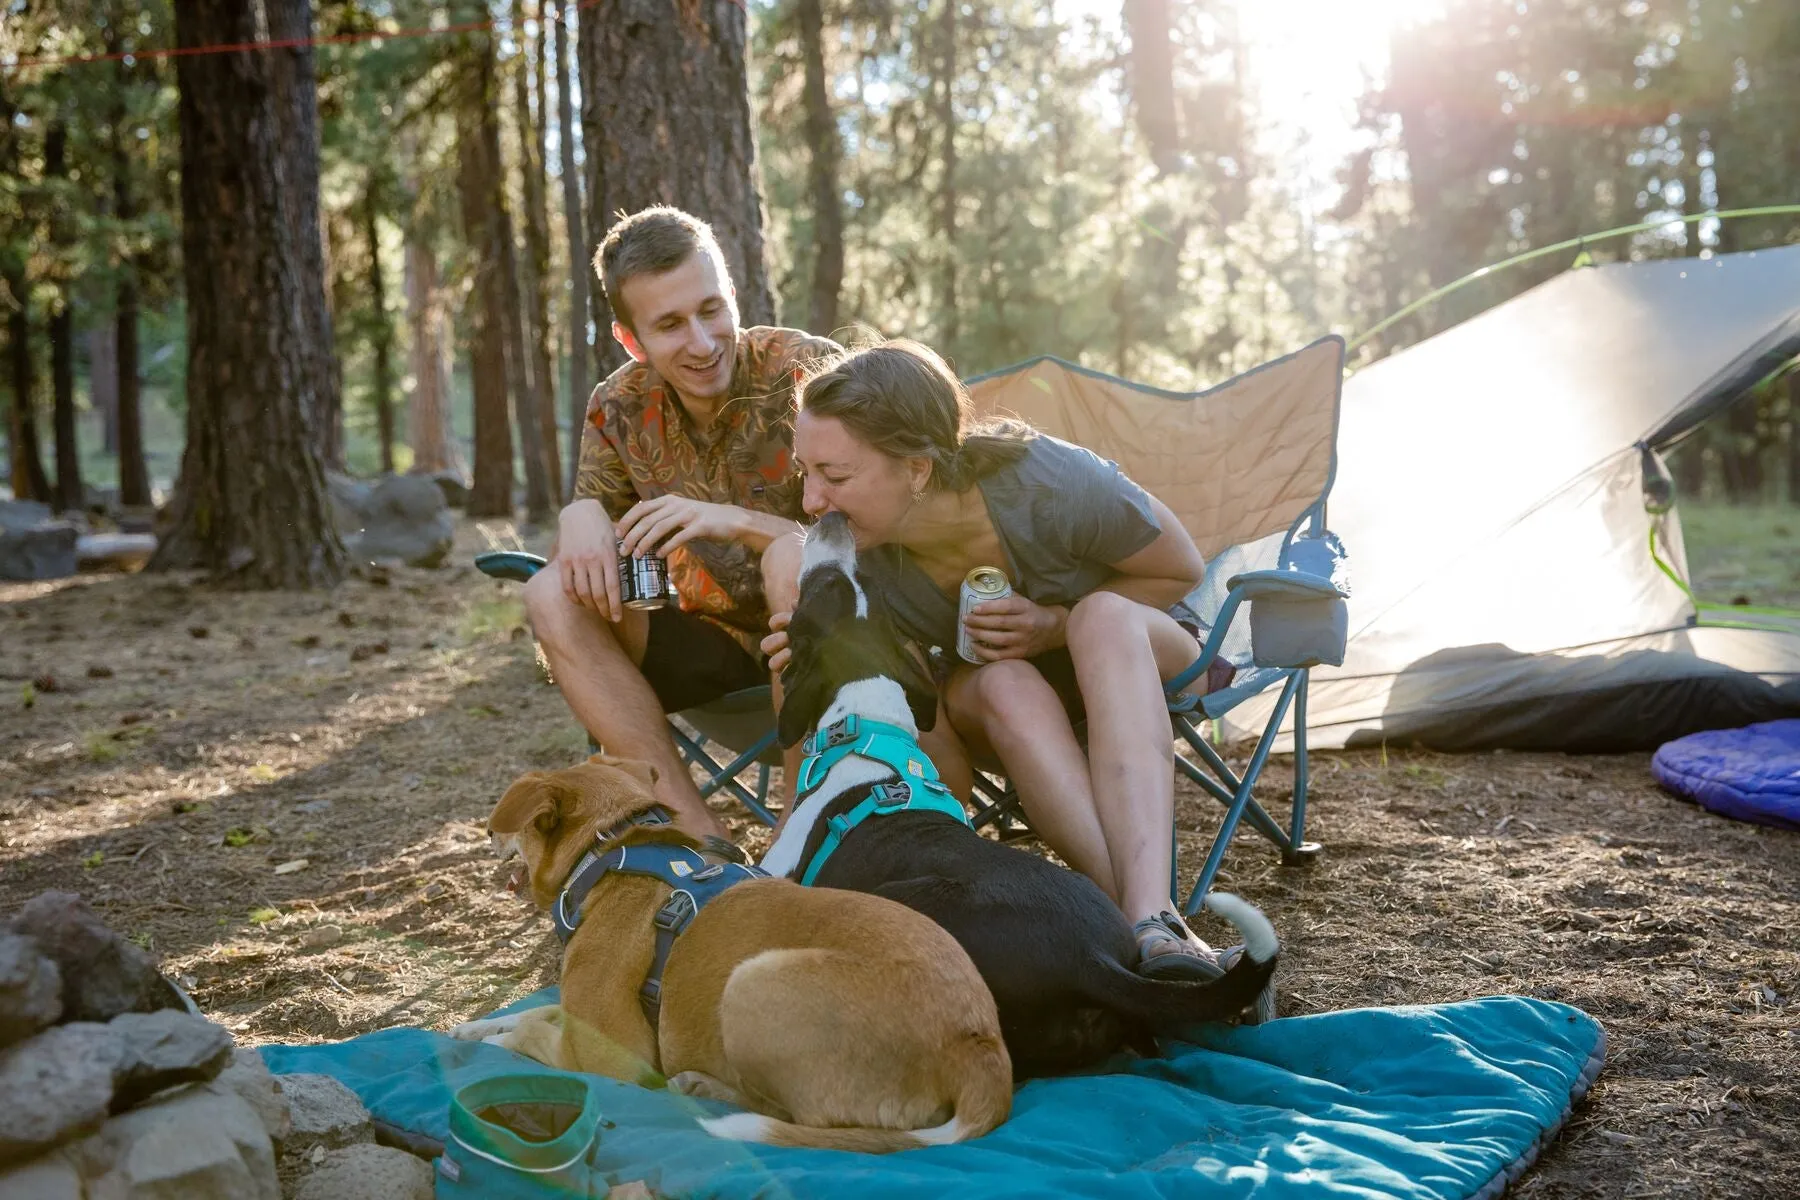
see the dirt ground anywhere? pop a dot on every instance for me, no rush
(226, 776)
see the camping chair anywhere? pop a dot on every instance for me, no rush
(1246, 467)
(741, 723)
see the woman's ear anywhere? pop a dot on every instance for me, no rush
(918, 474)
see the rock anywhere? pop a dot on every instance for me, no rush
(23, 514)
(136, 519)
(248, 1076)
(322, 936)
(405, 519)
(47, 1177)
(324, 1113)
(163, 1049)
(55, 1086)
(103, 974)
(114, 551)
(455, 489)
(198, 1143)
(349, 501)
(30, 989)
(45, 551)
(368, 1173)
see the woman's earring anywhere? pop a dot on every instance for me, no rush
(918, 495)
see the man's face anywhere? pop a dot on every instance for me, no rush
(684, 324)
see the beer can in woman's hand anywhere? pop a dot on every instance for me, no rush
(978, 587)
(643, 581)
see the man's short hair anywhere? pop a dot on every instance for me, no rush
(649, 242)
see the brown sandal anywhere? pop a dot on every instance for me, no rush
(1168, 949)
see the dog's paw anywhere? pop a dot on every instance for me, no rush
(492, 1029)
(704, 1086)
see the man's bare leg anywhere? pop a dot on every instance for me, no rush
(595, 663)
(781, 587)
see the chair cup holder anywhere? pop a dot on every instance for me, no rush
(1298, 631)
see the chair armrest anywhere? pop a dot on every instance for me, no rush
(516, 565)
(1295, 584)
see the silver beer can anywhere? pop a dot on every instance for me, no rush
(644, 581)
(978, 586)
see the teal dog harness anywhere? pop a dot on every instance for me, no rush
(917, 789)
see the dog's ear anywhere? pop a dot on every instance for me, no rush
(637, 768)
(534, 800)
(802, 694)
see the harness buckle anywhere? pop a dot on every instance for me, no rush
(839, 733)
(676, 912)
(894, 793)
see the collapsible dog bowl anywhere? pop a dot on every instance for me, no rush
(521, 1135)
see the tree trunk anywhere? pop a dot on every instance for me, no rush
(29, 480)
(428, 409)
(1152, 74)
(478, 186)
(518, 362)
(535, 277)
(578, 247)
(103, 381)
(251, 499)
(381, 336)
(950, 326)
(134, 474)
(665, 116)
(297, 110)
(69, 492)
(828, 205)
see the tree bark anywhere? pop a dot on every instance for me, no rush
(428, 409)
(578, 248)
(490, 491)
(1153, 80)
(950, 325)
(103, 381)
(381, 335)
(29, 479)
(828, 205)
(251, 501)
(535, 277)
(665, 116)
(69, 492)
(134, 474)
(297, 111)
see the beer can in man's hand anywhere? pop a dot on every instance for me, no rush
(643, 581)
(978, 587)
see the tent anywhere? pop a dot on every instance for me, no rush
(1494, 487)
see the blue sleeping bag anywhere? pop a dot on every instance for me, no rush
(1752, 774)
(1430, 1103)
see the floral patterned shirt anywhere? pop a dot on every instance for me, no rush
(639, 443)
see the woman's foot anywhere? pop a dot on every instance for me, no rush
(1168, 949)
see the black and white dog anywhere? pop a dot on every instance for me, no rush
(1054, 949)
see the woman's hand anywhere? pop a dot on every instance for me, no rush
(776, 644)
(1014, 627)
(659, 525)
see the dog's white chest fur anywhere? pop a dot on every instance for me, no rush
(878, 699)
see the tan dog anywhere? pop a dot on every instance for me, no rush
(848, 1021)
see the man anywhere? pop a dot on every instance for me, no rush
(686, 455)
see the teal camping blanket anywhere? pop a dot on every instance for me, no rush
(1429, 1103)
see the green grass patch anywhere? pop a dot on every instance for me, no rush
(1747, 554)
(489, 615)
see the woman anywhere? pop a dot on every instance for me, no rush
(1099, 569)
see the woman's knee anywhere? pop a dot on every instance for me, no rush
(1001, 695)
(1105, 619)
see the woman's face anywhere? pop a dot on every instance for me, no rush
(845, 474)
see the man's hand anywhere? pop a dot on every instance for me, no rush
(776, 644)
(587, 558)
(660, 525)
(1014, 627)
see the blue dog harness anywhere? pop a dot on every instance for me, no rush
(917, 790)
(693, 880)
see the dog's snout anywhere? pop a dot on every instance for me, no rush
(833, 530)
(830, 541)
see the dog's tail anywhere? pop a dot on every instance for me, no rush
(1166, 1006)
(983, 1076)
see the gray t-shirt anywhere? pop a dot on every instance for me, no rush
(1063, 514)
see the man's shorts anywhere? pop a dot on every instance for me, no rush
(689, 661)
